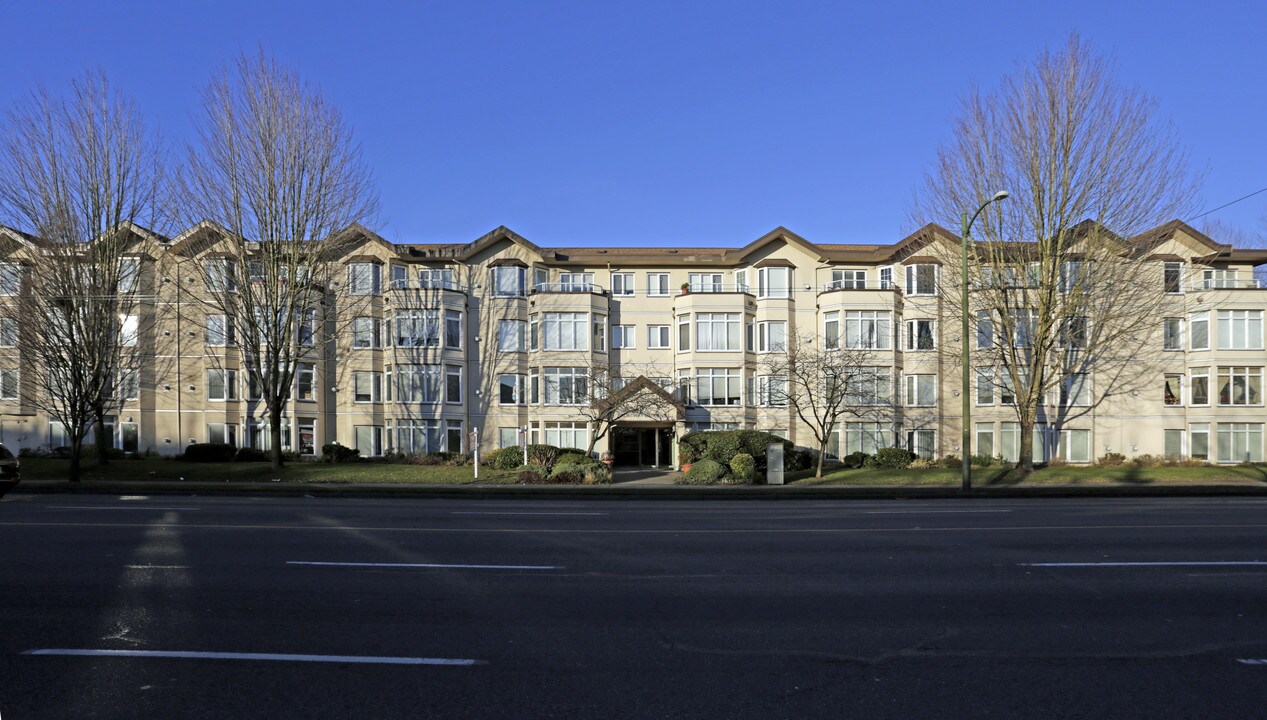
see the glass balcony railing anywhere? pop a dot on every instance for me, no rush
(567, 287)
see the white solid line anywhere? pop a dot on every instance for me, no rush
(1252, 661)
(924, 512)
(475, 512)
(1145, 564)
(157, 567)
(283, 657)
(98, 507)
(427, 565)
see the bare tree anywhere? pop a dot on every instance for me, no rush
(824, 383)
(1060, 285)
(610, 399)
(276, 166)
(82, 172)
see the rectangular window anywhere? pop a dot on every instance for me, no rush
(307, 327)
(870, 386)
(831, 330)
(365, 333)
(1218, 278)
(436, 278)
(1240, 385)
(368, 440)
(919, 334)
(8, 332)
(1075, 391)
(453, 436)
(305, 381)
(1075, 446)
(507, 437)
(985, 330)
(307, 428)
(717, 331)
(129, 330)
(400, 277)
(566, 331)
(868, 329)
(222, 434)
(510, 335)
(770, 391)
(658, 284)
(772, 336)
(567, 435)
(418, 383)
(222, 384)
(1173, 389)
(886, 278)
(683, 333)
(1073, 333)
(1010, 441)
(658, 337)
(741, 280)
(921, 442)
(867, 437)
(1024, 324)
(624, 337)
(9, 384)
(1172, 334)
(1240, 442)
(1240, 329)
(419, 437)
(705, 282)
(566, 386)
(985, 386)
(985, 439)
(534, 386)
(1173, 443)
(129, 272)
(453, 384)
(1199, 441)
(130, 384)
(510, 389)
(453, 329)
(717, 386)
(364, 278)
(848, 280)
(220, 330)
(417, 328)
(921, 279)
(920, 391)
(623, 283)
(576, 282)
(508, 281)
(1199, 330)
(1199, 381)
(534, 332)
(600, 333)
(1172, 277)
(218, 272)
(774, 282)
(1073, 277)
(367, 387)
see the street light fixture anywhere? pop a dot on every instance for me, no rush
(966, 446)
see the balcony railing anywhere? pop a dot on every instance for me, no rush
(711, 287)
(1221, 284)
(568, 287)
(430, 285)
(856, 285)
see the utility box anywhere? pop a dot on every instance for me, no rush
(774, 464)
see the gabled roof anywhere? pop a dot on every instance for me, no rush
(497, 234)
(637, 385)
(775, 235)
(19, 237)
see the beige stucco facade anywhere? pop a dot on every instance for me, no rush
(495, 335)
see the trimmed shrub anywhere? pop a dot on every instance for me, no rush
(1150, 461)
(209, 452)
(596, 474)
(704, 472)
(986, 460)
(722, 445)
(921, 464)
(687, 453)
(333, 453)
(112, 453)
(892, 458)
(248, 454)
(1111, 459)
(951, 462)
(543, 455)
(854, 460)
(743, 467)
(796, 459)
(567, 474)
(572, 457)
(507, 458)
(532, 475)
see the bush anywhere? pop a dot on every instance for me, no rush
(921, 464)
(209, 452)
(567, 474)
(543, 455)
(1057, 462)
(892, 458)
(248, 454)
(722, 445)
(951, 462)
(854, 460)
(573, 457)
(704, 472)
(112, 453)
(985, 460)
(686, 453)
(531, 475)
(507, 458)
(797, 459)
(743, 468)
(1111, 459)
(1150, 461)
(596, 474)
(336, 453)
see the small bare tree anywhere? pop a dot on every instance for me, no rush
(825, 381)
(275, 165)
(82, 172)
(611, 399)
(1063, 294)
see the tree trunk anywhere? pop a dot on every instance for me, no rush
(275, 437)
(1025, 451)
(822, 452)
(104, 443)
(73, 472)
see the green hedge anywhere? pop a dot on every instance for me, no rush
(722, 445)
(704, 472)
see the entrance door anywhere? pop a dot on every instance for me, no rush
(129, 438)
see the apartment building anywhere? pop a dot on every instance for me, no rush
(500, 340)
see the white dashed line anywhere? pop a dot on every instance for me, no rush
(276, 657)
(427, 565)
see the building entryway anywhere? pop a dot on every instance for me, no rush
(642, 446)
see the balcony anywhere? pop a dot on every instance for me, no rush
(574, 288)
(711, 287)
(856, 285)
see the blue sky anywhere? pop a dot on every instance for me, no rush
(664, 123)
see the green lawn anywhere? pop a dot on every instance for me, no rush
(160, 469)
(1067, 475)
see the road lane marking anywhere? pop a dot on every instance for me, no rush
(474, 512)
(926, 512)
(427, 565)
(1252, 661)
(104, 507)
(278, 657)
(157, 567)
(1222, 563)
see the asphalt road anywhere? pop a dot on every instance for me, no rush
(628, 609)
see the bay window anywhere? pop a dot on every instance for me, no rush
(566, 331)
(717, 331)
(566, 385)
(717, 386)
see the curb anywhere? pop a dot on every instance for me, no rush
(616, 492)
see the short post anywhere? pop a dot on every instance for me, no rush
(774, 464)
(523, 440)
(475, 450)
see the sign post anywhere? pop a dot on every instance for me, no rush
(774, 464)
(475, 450)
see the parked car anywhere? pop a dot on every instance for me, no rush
(10, 470)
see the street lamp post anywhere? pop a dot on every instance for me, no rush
(966, 446)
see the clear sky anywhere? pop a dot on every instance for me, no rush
(663, 123)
